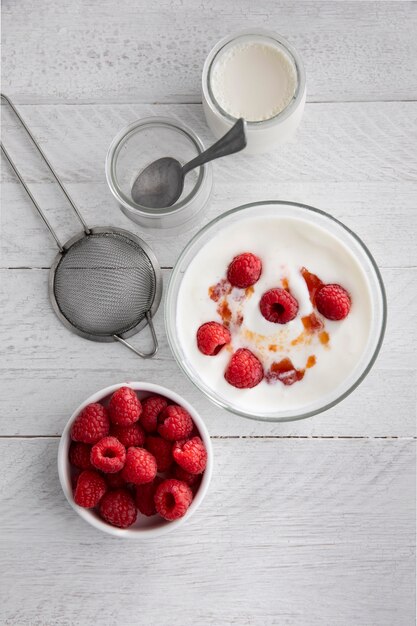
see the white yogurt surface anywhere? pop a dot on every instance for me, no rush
(284, 245)
(254, 80)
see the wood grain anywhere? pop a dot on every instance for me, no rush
(307, 523)
(355, 161)
(45, 361)
(91, 52)
(291, 532)
(342, 142)
(39, 400)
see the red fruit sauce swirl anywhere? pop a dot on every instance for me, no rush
(222, 288)
(313, 283)
(312, 323)
(285, 372)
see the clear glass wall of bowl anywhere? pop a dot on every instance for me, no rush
(143, 142)
(318, 218)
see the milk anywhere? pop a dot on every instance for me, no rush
(254, 80)
(260, 77)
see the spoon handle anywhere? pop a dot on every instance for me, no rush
(233, 141)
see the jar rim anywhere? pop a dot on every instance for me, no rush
(276, 39)
(113, 153)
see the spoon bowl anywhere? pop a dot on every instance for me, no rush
(161, 183)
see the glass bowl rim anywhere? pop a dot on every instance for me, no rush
(267, 34)
(112, 155)
(212, 397)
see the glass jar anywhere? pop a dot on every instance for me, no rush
(266, 134)
(141, 143)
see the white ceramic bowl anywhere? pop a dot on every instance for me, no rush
(144, 527)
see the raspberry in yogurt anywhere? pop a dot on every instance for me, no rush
(305, 316)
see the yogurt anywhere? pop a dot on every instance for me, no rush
(327, 356)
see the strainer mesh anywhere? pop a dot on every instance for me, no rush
(104, 284)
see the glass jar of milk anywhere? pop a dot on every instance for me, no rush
(257, 76)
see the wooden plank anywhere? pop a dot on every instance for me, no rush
(38, 402)
(383, 214)
(51, 370)
(305, 523)
(29, 322)
(291, 532)
(355, 161)
(90, 52)
(339, 142)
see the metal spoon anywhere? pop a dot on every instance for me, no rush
(161, 183)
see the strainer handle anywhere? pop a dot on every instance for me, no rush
(51, 169)
(31, 196)
(144, 355)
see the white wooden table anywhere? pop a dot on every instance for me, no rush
(306, 523)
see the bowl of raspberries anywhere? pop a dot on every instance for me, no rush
(135, 460)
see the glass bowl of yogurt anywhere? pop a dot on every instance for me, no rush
(259, 76)
(299, 247)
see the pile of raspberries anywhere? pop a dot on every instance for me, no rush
(133, 455)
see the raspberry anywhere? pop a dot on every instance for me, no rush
(191, 455)
(152, 407)
(144, 496)
(192, 480)
(244, 270)
(90, 488)
(212, 337)
(115, 481)
(161, 450)
(172, 498)
(129, 436)
(333, 302)
(118, 508)
(140, 466)
(194, 433)
(108, 455)
(278, 306)
(124, 407)
(244, 370)
(74, 478)
(175, 423)
(91, 425)
(79, 455)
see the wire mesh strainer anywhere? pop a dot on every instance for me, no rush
(105, 283)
